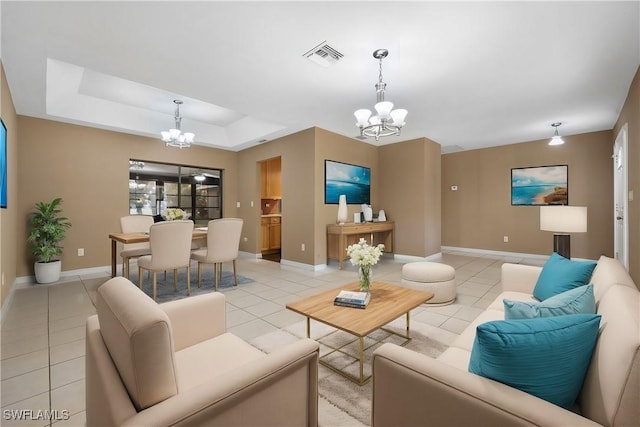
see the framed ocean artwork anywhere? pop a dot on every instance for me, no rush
(540, 185)
(351, 180)
(3, 165)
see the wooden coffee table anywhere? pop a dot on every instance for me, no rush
(388, 302)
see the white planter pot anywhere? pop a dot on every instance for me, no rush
(47, 272)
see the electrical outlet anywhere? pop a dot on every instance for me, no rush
(302, 247)
(237, 204)
(505, 239)
(80, 251)
(252, 203)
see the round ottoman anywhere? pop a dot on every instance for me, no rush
(431, 276)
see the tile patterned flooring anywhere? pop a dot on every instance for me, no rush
(43, 336)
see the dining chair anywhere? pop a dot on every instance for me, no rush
(134, 224)
(223, 243)
(170, 243)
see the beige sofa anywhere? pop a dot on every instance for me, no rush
(411, 389)
(175, 364)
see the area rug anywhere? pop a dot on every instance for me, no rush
(166, 291)
(343, 403)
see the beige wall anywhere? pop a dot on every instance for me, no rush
(296, 152)
(479, 214)
(630, 115)
(304, 214)
(8, 216)
(410, 174)
(331, 146)
(88, 168)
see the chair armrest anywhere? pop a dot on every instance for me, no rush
(279, 389)
(196, 319)
(412, 389)
(519, 278)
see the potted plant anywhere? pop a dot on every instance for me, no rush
(48, 229)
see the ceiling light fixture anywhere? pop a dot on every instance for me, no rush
(174, 137)
(557, 139)
(387, 122)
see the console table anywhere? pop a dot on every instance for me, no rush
(341, 236)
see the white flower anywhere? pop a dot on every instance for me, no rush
(363, 254)
(173, 214)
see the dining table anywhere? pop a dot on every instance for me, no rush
(125, 238)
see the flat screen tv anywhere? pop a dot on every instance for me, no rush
(3, 165)
(351, 180)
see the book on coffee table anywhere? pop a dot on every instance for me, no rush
(352, 299)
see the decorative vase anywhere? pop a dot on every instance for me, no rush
(47, 272)
(368, 213)
(342, 209)
(364, 273)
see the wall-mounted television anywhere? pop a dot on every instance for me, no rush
(3, 165)
(351, 180)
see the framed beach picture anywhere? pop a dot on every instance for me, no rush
(3, 165)
(351, 180)
(541, 185)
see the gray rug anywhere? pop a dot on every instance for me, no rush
(166, 290)
(342, 402)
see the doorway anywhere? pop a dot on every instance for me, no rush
(271, 208)
(621, 197)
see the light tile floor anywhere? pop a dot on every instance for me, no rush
(43, 336)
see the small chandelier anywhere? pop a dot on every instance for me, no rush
(174, 137)
(387, 122)
(557, 139)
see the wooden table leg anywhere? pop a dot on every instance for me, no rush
(113, 258)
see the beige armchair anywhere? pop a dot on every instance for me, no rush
(223, 244)
(170, 249)
(134, 224)
(151, 364)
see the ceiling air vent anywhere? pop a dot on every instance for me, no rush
(323, 55)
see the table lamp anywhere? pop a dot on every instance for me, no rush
(563, 220)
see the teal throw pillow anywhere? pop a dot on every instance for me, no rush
(546, 357)
(560, 274)
(575, 301)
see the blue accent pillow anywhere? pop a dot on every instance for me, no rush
(560, 274)
(578, 300)
(546, 357)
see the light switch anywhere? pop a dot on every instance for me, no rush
(454, 188)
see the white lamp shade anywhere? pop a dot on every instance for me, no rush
(174, 133)
(563, 219)
(188, 136)
(165, 136)
(556, 140)
(398, 116)
(384, 109)
(375, 120)
(362, 117)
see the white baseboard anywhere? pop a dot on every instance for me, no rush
(475, 251)
(413, 258)
(302, 266)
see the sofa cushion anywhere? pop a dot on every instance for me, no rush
(611, 389)
(609, 272)
(546, 357)
(138, 335)
(560, 274)
(204, 362)
(574, 301)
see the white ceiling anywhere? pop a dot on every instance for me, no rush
(472, 75)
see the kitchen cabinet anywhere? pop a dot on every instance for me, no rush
(271, 179)
(271, 229)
